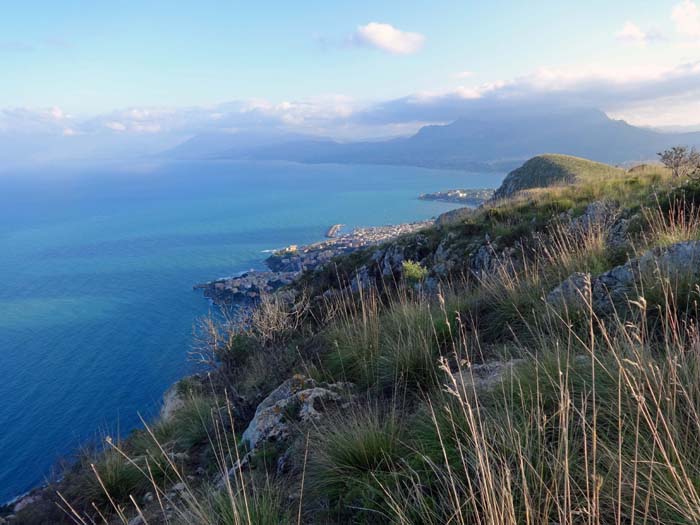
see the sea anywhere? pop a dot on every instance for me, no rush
(97, 265)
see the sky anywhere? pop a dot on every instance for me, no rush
(331, 67)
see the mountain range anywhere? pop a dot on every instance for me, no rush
(493, 138)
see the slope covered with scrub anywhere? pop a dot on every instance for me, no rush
(532, 361)
(548, 170)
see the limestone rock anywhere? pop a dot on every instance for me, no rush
(611, 290)
(26, 502)
(572, 292)
(611, 219)
(361, 280)
(675, 261)
(392, 261)
(173, 400)
(247, 287)
(444, 260)
(443, 251)
(487, 258)
(299, 399)
(617, 236)
(485, 376)
(603, 213)
(483, 260)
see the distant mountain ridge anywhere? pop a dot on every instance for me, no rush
(493, 138)
(236, 144)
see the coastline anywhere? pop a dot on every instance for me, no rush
(243, 290)
(287, 264)
(298, 259)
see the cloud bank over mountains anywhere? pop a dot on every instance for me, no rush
(643, 96)
(661, 94)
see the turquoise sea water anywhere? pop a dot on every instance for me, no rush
(98, 263)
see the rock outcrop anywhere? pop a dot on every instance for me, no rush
(173, 400)
(247, 288)
(484, 376)
(610, 291)
(572, 293)
(297, 400)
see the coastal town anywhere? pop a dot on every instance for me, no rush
(286, 264)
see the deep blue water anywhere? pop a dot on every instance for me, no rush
(98, 263)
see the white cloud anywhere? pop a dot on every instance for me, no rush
(646, 94)
(463, 74)
(147, 128)
(57, 113)
(50, 120)
(115, 126)
(388, 38)
(586, 76)
(686, 17)
(633, 34)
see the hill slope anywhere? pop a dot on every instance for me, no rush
(550, 169)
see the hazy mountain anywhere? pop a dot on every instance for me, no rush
(25, 148)
(233, 144)
(495, 137)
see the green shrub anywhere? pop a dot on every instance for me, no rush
(154, 453)
(259, 506)
(187, 427)
(236, 350)
(352, 455)
(353, 350)
(192, 423)
(118, 477)
(413, 272)
(383, 349)
(408, 347)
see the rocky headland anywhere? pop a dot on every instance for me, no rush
(468, 197)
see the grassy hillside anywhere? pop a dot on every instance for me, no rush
(547, 170)
(532, 361)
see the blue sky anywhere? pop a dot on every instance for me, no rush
(83, 59)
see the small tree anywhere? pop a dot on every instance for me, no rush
(681, 160)
(413, 272)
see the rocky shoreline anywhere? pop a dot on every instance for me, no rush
(287, 264)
